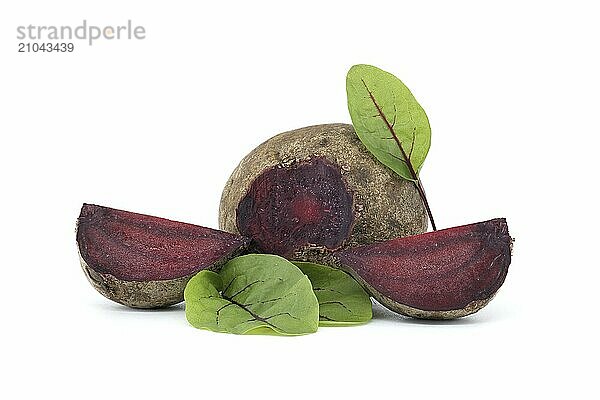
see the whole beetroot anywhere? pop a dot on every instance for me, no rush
(306, 192)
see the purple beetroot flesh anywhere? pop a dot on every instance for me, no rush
(305, 204)
(145, 261)
(444, 274)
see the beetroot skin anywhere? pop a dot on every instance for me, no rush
(444, 274)
(144, 261)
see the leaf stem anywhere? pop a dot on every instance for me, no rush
(421, 190)
(413, 173)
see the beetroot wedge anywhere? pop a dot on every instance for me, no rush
(143, 261)
(445, 274)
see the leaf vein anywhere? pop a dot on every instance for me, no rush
(338, 303)
(245, 288)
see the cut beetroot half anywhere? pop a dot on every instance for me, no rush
(445, 274)
(145, 261)
(306, 204)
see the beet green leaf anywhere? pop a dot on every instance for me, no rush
(255, 293)
(388, 119)
(341, 299)
(390, 123)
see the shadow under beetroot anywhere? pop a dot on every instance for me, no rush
(115, 307)
(383, 314)
(379, 313)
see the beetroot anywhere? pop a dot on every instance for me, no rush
(143, 261)
(445, 274)
(307, 192)
(313, 194)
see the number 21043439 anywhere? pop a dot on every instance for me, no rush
(46, 47)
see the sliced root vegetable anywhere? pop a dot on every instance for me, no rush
(143, 261)
(445, 274)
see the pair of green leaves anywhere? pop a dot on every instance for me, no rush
(263, 294)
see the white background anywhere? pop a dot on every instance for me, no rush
(156, 126)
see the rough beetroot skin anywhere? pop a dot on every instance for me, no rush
(445, 274)
(145, 261)
(287, 208)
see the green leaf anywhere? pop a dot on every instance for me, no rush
(341, 299)
(255, 293)
(388, 119)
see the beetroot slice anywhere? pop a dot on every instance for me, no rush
(444, 274)
(136, 247)
(307, 203)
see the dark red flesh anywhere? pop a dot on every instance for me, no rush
(437, 271)
(136, 247)
(286, 208)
